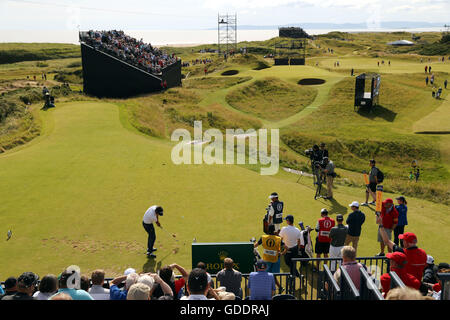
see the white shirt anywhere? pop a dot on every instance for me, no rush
(150, 215)
(99, 293)
(42, 296)
(196, 297)
(290, 236)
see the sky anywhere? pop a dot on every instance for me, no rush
(202, 14)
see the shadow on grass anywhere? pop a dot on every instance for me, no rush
(151, 265)
(378, 112)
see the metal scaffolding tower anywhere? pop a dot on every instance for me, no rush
(227, 33)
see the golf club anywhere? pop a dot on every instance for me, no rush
(173, 236)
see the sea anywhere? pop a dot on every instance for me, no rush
(171, 37)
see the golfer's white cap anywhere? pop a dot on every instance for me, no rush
(354, 204)
(430, 260)
(273, 195)
(129, 271)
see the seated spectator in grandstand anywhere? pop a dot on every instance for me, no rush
(26, 286)
(47, 287)
(117, 294)
(76, 294)
(230, 278)
(61, 296)
(350, 265)
(167, 275)
(198, 286)
(437, 288)
(261, 284)
(416, 257)
(430, 272)
(398, 262)
(85, 283)
(139, 291)
(404, 294)
(10, 287)
(97, 291)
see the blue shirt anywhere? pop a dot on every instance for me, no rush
(116, 294)
(75, 294)
(261, 285)
(402, 210)
(1, 290)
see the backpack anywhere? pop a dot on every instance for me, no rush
(380, 176)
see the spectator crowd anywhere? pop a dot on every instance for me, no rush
(124, 47)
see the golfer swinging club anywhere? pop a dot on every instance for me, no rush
(150, 216)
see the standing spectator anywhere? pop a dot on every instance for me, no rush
(389, 221)
(272, 245)
(275, 212)
(230, 278)
(338, 234)
(373, 181)
(261, 283)
(416, 257)
(397, 264)
(115, 293)
(202, 265)
(76, 294)
(151, 216)
(426, 80)
(291, 237)
(429, 69)
(330, 174)
(323, 150)
(432, 79)
(323, 240)
(10, 287)
(97, 291)
(426, 69)
(445, 83)
(167, 275)
(47, 287)
(402, 218)
(26, 286)
(350, 265)
(198, 286)
(355, 220)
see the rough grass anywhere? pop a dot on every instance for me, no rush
(271, 98)
(16, 52)
(213, 82)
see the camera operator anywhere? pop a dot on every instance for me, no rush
(330, 175)
(323, 150)
(316, 157)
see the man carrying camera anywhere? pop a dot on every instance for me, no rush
(330, 175)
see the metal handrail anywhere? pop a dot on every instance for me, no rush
(367, 284)
(347, 282)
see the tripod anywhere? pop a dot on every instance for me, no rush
(318, 178)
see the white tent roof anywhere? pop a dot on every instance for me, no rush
(401, 43)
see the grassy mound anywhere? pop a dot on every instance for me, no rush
(271, 98)
(16, 52)
(213, 82)
(160, 114)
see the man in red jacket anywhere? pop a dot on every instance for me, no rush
(416, 257)
(388, 220)
(323, 239)
(398, 262)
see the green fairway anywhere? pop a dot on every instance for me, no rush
(77, 196)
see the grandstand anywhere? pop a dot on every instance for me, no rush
(116, 65)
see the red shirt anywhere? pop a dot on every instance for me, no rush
(179, 283)
(408, 279)
(389, 218)
(417, 261)
(325, 225)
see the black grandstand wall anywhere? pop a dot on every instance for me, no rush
(107, 76)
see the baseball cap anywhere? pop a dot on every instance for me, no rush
(354, 204)
(400, 198)
(27, 279)
(198, 280)
(10, 283)
(290, 218)
(322, 144)
(159, 210)
(324, 211)
(408, 236)
(339, 217)
(430, 259)
(443, 265)
(273, 195)
(261, 264)
(128, 271)
(398, 257)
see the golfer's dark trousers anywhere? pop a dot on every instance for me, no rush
(398, 231)
(291, 254)
(151, 235)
